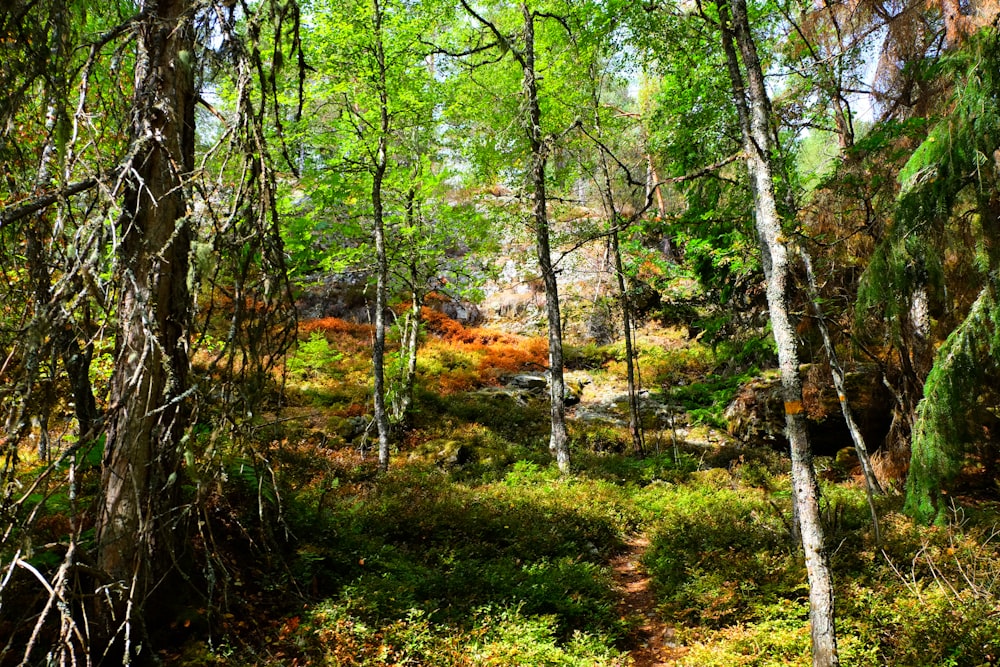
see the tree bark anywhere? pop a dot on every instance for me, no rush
(382, 280)
(149, 385)
(559, 438)
(403, 403)
(758, 144)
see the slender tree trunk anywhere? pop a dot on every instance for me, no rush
(872, 487)
(382, 280)
(559, 438)
(634, 411)
(408, 373)
(653, 184)
(148, 412)
(51, 320)
(411, 327)
(607, 191)
(758, 145)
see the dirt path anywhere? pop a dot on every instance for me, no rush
(651, 639)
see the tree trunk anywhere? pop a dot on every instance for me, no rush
(148, 414)
(382, 280)
(408, 373)
(872, 486)
(403, 402)
(634, 413)
(559, 438)
(758, 145)
(51, 319)
(607, 191)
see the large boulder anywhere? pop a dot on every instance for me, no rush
(756, 416)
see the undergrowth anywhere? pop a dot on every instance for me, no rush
(473, 550)
(486, 555)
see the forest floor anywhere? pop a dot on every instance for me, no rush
(473, 549)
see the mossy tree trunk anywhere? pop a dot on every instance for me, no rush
(149, 385)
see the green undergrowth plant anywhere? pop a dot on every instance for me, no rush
(420, 564)
(520, 421)
(312, 357)
(496, 635)
(705, 399)
(474, 549)
(636, 471)
(723, 564)
(721, 551)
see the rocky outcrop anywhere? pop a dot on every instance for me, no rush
(757, 415)
(350, 297)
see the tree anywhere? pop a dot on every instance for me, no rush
(438, 248)
(949, 207)
(373, 68)
(614, 211)
(148, 413)
(135, 167)
(753, 105)
(692, 122)
(512, 31)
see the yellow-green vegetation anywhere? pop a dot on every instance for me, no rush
(474, 550)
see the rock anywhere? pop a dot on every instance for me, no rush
(348, 428)
(453, 454)
(529, 382)
(445, 453)
(461, 311)
(757, 415)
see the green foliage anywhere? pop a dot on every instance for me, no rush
(496, 635)
(721, 555)
(943, 431)
(426, 565)
(947, 184)
(640, 471)
(508, 418)
(817, 158)
(706, 400)
(312, 357)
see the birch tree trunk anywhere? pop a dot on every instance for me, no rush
(403, 403)
(382, 280)
(758, 143)
(148, 413)
(559, 438)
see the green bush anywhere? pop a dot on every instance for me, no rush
(312, 358)
(719, 553)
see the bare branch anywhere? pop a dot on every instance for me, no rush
(650, 195)
(440, 50)
(555, 17)
(9, 215)
(501, 38)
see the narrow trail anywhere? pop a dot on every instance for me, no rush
(651, 639)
